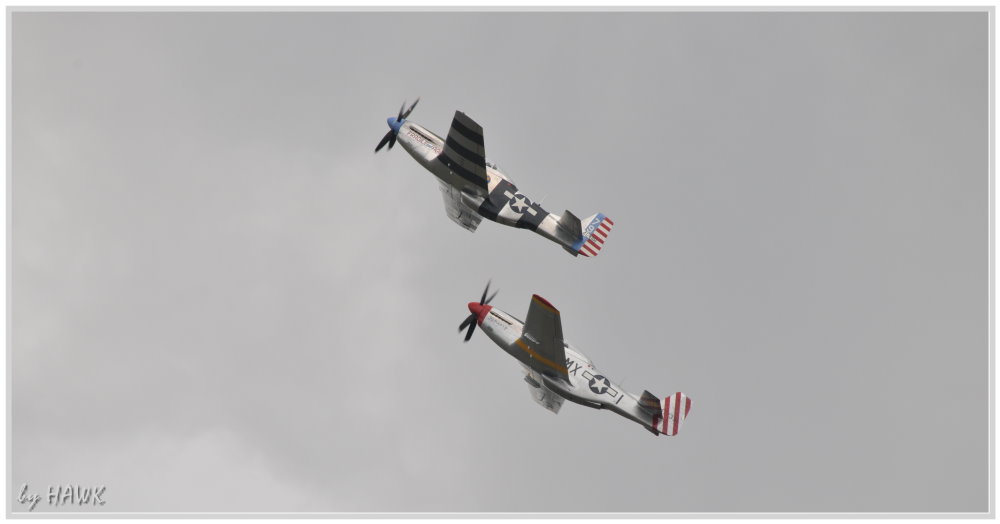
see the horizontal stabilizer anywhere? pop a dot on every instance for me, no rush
(650, 403)
(569, 228)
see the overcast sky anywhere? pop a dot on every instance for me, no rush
(223, 301)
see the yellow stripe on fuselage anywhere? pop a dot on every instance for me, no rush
(534, 354)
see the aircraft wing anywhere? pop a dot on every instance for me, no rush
(544, 396)
(465, 154)
(542, 340)
(457, 210)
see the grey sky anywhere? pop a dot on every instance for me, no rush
(223, 301)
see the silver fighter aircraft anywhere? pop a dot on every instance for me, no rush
(474, 188)
(556, 371)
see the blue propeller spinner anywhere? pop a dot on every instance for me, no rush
(394, 124)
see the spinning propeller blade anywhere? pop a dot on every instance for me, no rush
(472, 327)
(408, 111)
(388, 136)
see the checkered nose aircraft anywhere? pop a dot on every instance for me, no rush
(556, 371)
(475, 188)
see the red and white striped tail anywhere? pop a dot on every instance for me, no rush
(595, 232)
(675, 410)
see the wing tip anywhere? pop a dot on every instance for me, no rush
(545, 303)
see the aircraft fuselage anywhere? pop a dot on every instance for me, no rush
(502, 203)
(584, 384)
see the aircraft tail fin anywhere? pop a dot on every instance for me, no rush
(594, 232)
(675, 410)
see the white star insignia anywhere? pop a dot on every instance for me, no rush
(519, 204)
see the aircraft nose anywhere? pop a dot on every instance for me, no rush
(394, 124)
(479, 310)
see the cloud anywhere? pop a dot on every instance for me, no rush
(222, 300)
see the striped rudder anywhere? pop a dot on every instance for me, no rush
(595, 232)
(675, 410)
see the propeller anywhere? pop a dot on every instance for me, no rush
(394, 124)
(406, 114)
(474, 309)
